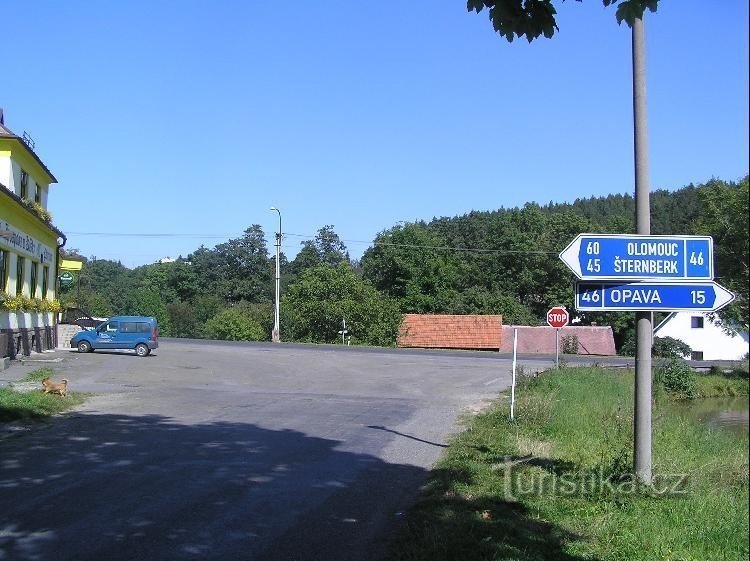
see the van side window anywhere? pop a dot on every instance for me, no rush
(144, 327)
(128, 327)
(111, 326)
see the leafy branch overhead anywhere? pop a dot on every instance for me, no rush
(532, 18)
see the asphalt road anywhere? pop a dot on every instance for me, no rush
(210, 450)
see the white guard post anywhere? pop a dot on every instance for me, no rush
(513, 383)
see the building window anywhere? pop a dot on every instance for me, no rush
(24, 184)
(696, 355)
(45, 281)
(38, 194)
(34, 275)
(3, 270)
(696, 322)
(20, 264)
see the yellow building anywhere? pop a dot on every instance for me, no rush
(29, 248)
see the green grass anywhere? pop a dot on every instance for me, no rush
(574, 427)
(731, 385)
(35, 405)
(38, 375)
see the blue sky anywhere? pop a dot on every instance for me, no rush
(192, 118)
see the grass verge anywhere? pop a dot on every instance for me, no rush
(35, 405)
(554, 484)
(712, 385)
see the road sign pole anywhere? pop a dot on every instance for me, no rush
(642, 413)
(513, 382)
(557, 348)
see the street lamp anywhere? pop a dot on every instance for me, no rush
(276, 334)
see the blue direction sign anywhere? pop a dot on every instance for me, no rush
(634, 257)
(648, 296)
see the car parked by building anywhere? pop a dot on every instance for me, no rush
(140, 333)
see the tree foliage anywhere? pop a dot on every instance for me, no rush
(533, 18)
(234, 324)
(315, 306)
(503, 261)
(325, 249)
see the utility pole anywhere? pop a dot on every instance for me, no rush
(276, 334)
(644, 328)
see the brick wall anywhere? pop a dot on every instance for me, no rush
(451, 331)
(64, 333)
(592, 340)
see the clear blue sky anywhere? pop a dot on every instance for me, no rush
(194, 117)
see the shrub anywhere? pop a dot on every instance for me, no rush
(234, 325)
(669, 347)
(677, 378)
(664, 347)
(570, 344)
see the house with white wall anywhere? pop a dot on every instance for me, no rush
(709, 340)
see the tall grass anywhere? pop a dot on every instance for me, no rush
(573, 425)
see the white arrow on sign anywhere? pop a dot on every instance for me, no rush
(569, 256)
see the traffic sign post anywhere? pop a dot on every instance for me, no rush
(66, 280)
(651, 296)
(643, 273)
(634, 257)
(557, 317)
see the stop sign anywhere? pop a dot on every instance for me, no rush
(558, 317)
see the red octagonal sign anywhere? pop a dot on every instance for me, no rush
(558, 317)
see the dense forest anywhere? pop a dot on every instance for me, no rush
(485, 262)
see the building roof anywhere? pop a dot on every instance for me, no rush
(451, 331)
(5, 132)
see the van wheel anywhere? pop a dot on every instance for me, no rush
(84, 347)
(142, 350)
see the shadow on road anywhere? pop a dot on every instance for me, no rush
(96, 487)
(91, 486)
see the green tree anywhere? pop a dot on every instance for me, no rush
(182, 320)
(315, 305)
(325, 249)
(234, 325)
(532, 18)
(725, 216)
(413, 265)
(146, 301)
(237, 270)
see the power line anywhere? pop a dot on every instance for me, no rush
(312, 236)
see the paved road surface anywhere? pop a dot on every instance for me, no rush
(217, 451)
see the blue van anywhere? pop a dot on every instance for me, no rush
(140, 333)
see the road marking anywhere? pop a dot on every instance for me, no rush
(492, 381)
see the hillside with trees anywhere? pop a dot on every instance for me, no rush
(502, 261)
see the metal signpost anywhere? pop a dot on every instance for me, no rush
(644, 273)
(557, 317)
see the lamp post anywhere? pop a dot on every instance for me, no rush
(276, 334)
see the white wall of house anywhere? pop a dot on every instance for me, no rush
(10, 176)
(6, 175)
(703, 336)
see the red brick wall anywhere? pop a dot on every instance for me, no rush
(451, 331)
(592, 340)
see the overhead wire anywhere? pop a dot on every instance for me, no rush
(312, 236)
